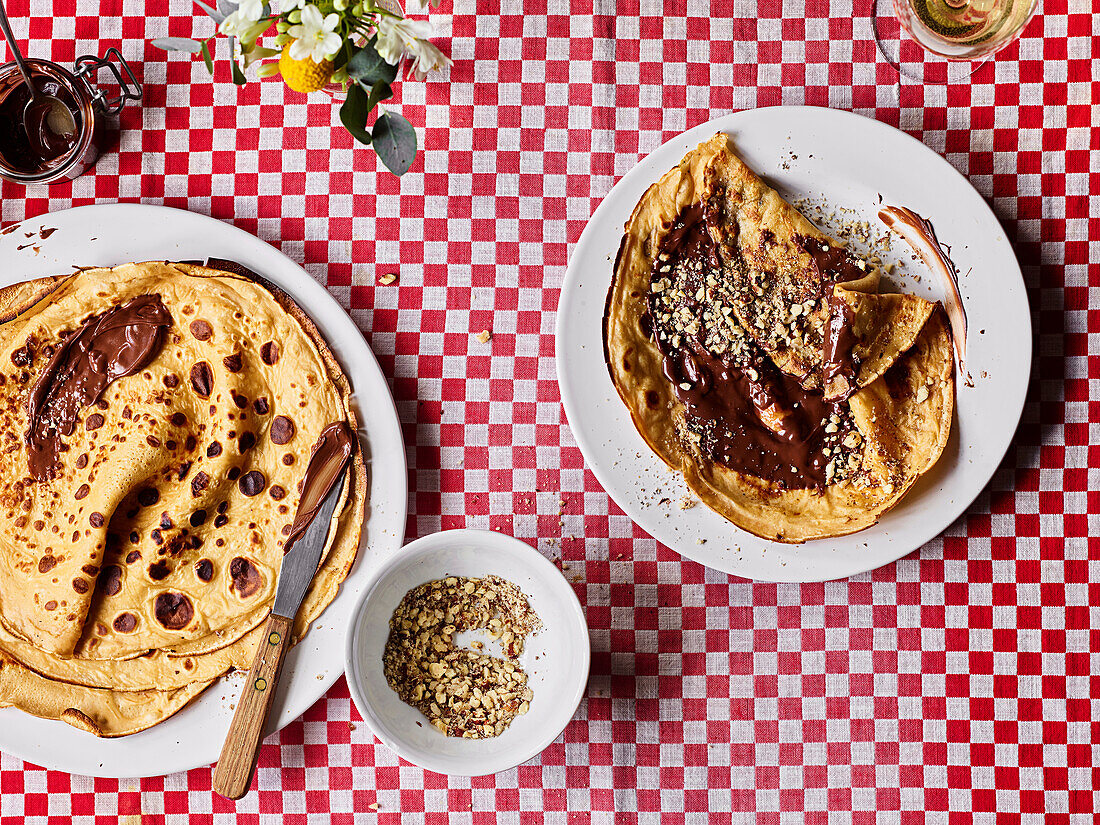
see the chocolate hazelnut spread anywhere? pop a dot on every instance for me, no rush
(109, 346)
(331, 455)
(34, 141)
(748, 416)
(919, 233)
(839, 357)
(832, 262)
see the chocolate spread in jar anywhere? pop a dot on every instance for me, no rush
(109, 346)
(748, 416)
(34, 142)
(331, 455)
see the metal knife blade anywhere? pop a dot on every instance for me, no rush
(300, 563)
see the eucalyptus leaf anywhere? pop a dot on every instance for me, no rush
(227, 7)
(367, 66)
(353, 114)
(207, 59)
(178, 44)
(212, 12)
(381, 91)
(395, 142)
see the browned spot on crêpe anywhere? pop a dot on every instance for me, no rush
(51, 604)
(110, 580)
(100, 629)
(198, 517)
(246, 578)
(288, 459)
(201, 329)
(152, 441)
(214, 450)
(246, 442)
(148, 496)
(252, 483)
(80, 585)
(171, 380)
(233, 473)
(260, 405)
(282, 429)
(132, 556)
(93, 421)
(202, 379)
(174, 611)
(277, 492)
(125, 622)
(159, 570)
(82, 461)
(199, 483)
(96, 520)
(221, 521)
(269, 352)
(23, 356)
(240, 401)
(46, 564)
(90, 569)
(179, 419)
(204, 569)
(233, 362)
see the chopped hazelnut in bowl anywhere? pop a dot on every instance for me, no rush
(469, 653)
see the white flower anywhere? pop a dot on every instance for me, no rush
(232, 23)
(315, 36)
(290, 5)
(397, 36)
(246, 15)
(251, 10)
(427, 58)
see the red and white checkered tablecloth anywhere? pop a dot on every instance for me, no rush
(959, 679)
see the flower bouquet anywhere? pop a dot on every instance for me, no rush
(354, 45)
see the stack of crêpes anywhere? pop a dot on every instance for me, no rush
(159, 426)
(759, 357)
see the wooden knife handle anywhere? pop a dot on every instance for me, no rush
(237, 763)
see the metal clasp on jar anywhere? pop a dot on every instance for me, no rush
(88, 66)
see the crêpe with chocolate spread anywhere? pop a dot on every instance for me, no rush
(758, 357)
(169, 429)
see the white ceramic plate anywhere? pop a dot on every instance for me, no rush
(555, 658)
(850, 161)
(114, 234)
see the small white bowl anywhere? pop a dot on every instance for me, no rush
(556, 658)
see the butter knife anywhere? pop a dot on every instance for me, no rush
(237, 763)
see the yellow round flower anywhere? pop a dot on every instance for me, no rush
(304, 75)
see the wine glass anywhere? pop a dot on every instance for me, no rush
(957, 36)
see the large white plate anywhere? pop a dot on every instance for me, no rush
(114, 234)
(850, 161)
